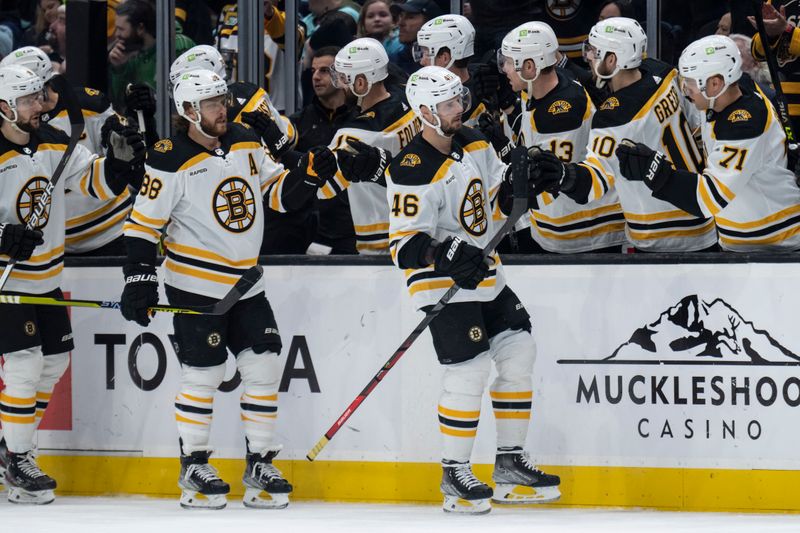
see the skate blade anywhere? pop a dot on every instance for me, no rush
(454, 504)
(25, 497)
(519, 494)
(195, 500)
(257, 498)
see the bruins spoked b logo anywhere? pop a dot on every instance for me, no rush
(473, 209)
(235, 205)
(28, 201)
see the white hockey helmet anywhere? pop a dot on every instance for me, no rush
(17, 82)
(429, 87)
(198, 57)
(362, 56)
(715, 55)
(453, 32)
(33, 58)
(622, 37)
(195, 86)
(533, 40)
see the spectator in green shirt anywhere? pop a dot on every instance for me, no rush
(133, 57)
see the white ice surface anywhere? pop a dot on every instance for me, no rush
(141, 515)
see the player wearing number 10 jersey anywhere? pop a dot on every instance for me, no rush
(645, 105)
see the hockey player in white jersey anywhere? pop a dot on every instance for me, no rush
(94, 226)
(36, 340)
(204, 185)
(556, 115)
(645, 105)
(445, 192)
(364, 145)
(746, 185)
(449, 41)
(249, 103)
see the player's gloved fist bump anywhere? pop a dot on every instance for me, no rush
(362, 162)
(639, 162)
(493, 131)
(140, 292)
(18, 242)
(140, 97)
(549, 173)
(268, 130)
(463, 262)
(319, 164)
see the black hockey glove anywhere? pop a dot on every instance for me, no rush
(487, 81)
(493, 130)
(140, 292)
(18, 242)
(125, 155)
(319, 165)
(549, 173)
(461, 261)
(506, 97)
(362, 162)
(268, 130)
(638, 162)
(140, 97)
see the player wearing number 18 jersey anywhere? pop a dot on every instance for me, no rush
(645, 105)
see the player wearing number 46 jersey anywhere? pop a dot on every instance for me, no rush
(36, 340)
(204, 185)
(645, 105)
(447, 190)
(745, 185)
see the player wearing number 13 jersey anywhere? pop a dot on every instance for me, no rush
(645, 105)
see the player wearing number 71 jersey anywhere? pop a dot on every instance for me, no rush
(745, 186)
(645, 105)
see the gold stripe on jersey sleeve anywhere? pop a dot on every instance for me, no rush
(401, 234)
(443, 170)
(276, 186)
(778, 237)
(766, 221)
(52, 146)
(116, 219)
(77, 221)
(722, 188)
(205, 254)
(372, 228)
(245, 145)
(133, 227)
(193, 272)
(705, 195)
(474, 146)
(597, 186)
(194, 161)
(666, 85)
(402, 121)
(477, 111)
(8, 155)
(99, 186)
(38, 276)
(144, 220)
(579, 215)
(252, 103)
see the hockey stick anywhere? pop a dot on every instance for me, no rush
(76, 123)
(772, 66)
(520, 186)
(245, 283)
(139, 114)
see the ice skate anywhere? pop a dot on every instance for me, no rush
(202, 488)
(264, 486)
(25, 481)
(519, 481)
(463, 492)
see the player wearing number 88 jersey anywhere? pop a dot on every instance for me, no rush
(645, 105)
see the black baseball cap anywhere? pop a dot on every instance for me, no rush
(429, 8)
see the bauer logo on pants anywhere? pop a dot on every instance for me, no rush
(235, 205)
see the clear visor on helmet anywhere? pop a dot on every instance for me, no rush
(216, 104)
(338, 79)
(688, 86)
(588, 51)
(422, 52)
(503, 61)
(30, 100)
(456, 106)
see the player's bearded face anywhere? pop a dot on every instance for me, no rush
(214, 116)
(29, 109)
(450, 112)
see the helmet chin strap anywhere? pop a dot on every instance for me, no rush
(530, 82)
(436, 127)
(359, 97)
(713, 99)
(602, 79)
(13, 121)
(197, 123)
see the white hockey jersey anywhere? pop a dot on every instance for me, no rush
(208, 205)
(91, 223)
(442, 196)
(745, 186)
(650, 111)
(25, 172)
(391, 125)
(560, 122)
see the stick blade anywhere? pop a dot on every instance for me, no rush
(245, 283)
